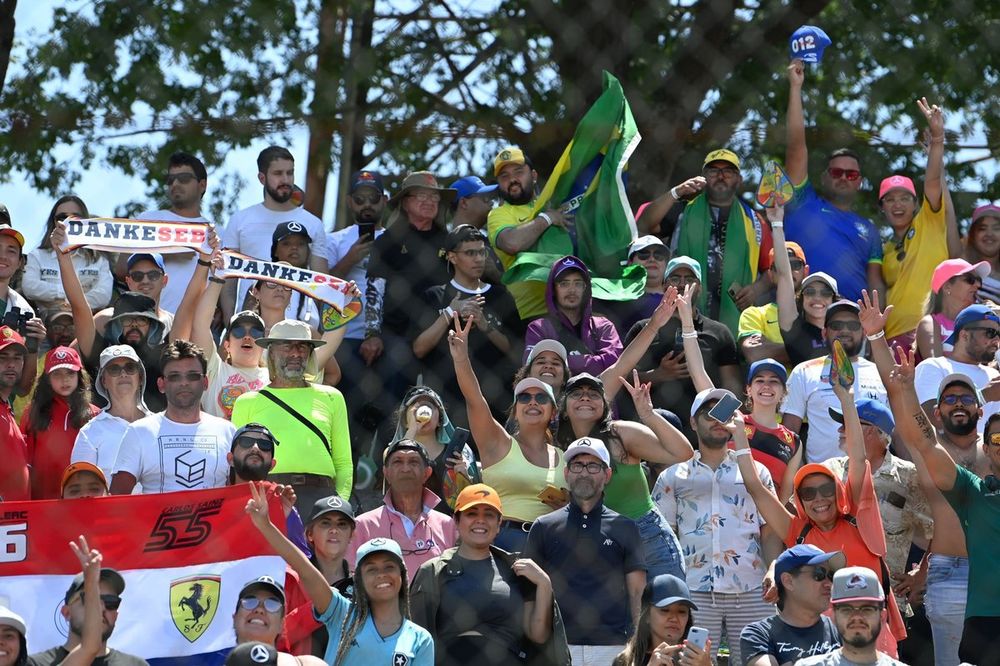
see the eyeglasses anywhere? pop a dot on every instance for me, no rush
(275, 285)
(967, 400)
(578, 467)
(798, 265)
(62, 217)
(990, 333)
(247, 442)
(847, 174)
(60, 328)
(813, 292)
(124, 368)
(182, 178)
(820, 574)
(139, 276)
(371, 199)
(968, 278)
(135, 322)
(715, 172)
(428, 546)
(645, 255)
(579, 393)
(678, 280)
(848, 611)
(255, 332)
(853, 326)
(471, 254)
(827, 490)
(111, 602)
(433, 197)
(539, 398)
(191, 376)
(271, 605)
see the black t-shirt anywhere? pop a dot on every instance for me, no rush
(57, 654)
(804, 341)
(772, 636)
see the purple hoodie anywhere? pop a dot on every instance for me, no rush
(594, 345)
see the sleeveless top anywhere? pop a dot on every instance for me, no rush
(519, 481)
(628, 493)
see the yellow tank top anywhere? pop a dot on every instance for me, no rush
(519, 481)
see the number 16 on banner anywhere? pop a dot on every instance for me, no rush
(808, 43)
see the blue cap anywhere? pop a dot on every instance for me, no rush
(470, 186)
(378, 545)
(970, 315)
(767, 364)
(873, 411)
(805, 554)
(148, 256)
(808, 43)
(366, 178)
(683, 262)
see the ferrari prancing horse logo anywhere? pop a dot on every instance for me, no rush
(193, 602)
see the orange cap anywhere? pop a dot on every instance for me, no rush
(795, 248)
(73, 468)
(478, 493)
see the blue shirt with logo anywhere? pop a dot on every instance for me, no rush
(411, 645)
(838, 242)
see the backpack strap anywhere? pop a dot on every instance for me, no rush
(301, 419)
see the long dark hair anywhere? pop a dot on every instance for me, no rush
(603, 430)
(40, 409)
(50, 222)
(360, 610)
(640, 643)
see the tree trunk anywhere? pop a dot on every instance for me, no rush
(7, 8)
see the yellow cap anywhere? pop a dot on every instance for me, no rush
(722, 155)
(509, 155)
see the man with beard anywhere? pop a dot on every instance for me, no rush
(250, 230)
(472, 206)
(112, 587)
(145, 275)
(810, 395)
(512, 229)
(181, 448)
(976, 338)
(312, 418)
(727, 589)
(13, 447)
(594, 558)
(858, 604)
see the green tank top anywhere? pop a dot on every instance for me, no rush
(627, 493)
(518, 482)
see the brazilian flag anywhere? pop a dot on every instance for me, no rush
(589, 181)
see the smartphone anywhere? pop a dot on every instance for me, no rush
(724, 409)
(366, 229)
(458, 441)
(697, 636)
(842, 362)
(552, 494)
(733, 290)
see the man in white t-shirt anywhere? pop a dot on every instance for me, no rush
(181, 448)
(187, 180)
(810, 395)
(976, 338)
(250, 230)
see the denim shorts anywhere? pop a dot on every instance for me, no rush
(660, 546)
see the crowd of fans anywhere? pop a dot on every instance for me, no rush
(692, 476)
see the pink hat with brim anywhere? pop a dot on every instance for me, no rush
(986, 210)
(896, 183)
(950, 268)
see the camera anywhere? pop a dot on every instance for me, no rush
(18, 321)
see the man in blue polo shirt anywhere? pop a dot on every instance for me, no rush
(837, 240)
(594, 558)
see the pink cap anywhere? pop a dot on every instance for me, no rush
(986, 210)
(950, 268)
(896, 183)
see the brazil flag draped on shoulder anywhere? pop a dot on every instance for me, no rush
(589, 181)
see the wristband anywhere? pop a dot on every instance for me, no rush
(693, 335)
(778, 224)
(448, 312)
(202, 262)
(216, 280)
(673, 192)
(545, 216)
(741, 452)
(876, 336)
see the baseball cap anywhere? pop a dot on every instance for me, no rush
(9, 336)
(808, 43)
(547, 345)
(767, 364)
(76, 467)
(794, 248)
(856, 584)
(805, 554)
(266, 583)
(842, 304)
(155, 257)
(62, 357)
(62, 310)
(683, 262)
(110, 576)
(706, 395)
(258, 428)
(463, 233)
(826, 278)
(896, 183)
(253, 653)
(286, 229)
(570, 263)
(331, 504)
(9, 618)
(667, 589)
(950, 268)
(509, 155)
(478, 493)
(986, 210)
(379, 545)
(965, 380)
(584, 379)
(245, 315)
(470, 186)
(642, 242)
(365, 178)
(594, 447)
(873, 411)
(971, 315)
(531, 382)
(722, 155)
(407, 445)
(13, 233)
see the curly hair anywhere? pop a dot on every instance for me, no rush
(40, 408)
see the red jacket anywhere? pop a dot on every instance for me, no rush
(14, 454)
(49, 450)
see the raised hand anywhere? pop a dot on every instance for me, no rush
(288, 497)
(904, 368)
(90, 559)
(58, 235)
(640, 393)
(934, 116)
(458, 339)
(665, 308)
(873, 319)
(685, 309)
(256, 506)
(796, 73)
(690, 187)
(775, 213)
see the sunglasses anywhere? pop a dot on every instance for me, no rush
(539, 398)
(182, 178)
(175, 377)
(819, 574)
(255, 332)
(967, 400)
(371, 199)
(246, 442)
(812, 292)
(62, 217)
(124, 369)
(968, 278)
(990, 333)
(827, 490)
(271, 605)
(678, 280)
(138, 276)
(111, 601)
(847, 174)
(796, 264)
(645, 255)
(853, 326)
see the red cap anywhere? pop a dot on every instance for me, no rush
(9, 336)
(62, 357)
(896, 183)
(13, 233)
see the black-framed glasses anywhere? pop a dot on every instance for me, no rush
(819, 574)
(540, 398)
(182, 178)
(139, 276)
(646, 255)
(247, 442)
(578, 467)
(422, 550)
(581, 392)
(275, 285)
(715, 172)
(847, 174)
(813, 292)
(271, 605)
(124, 368)
(255, 332)
(967, 400)
(192, 376)
(827, 490)
(990, 333)
(111, 602)
(678, 280)
(844, 325)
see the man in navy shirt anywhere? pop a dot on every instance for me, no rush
(594, 558)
